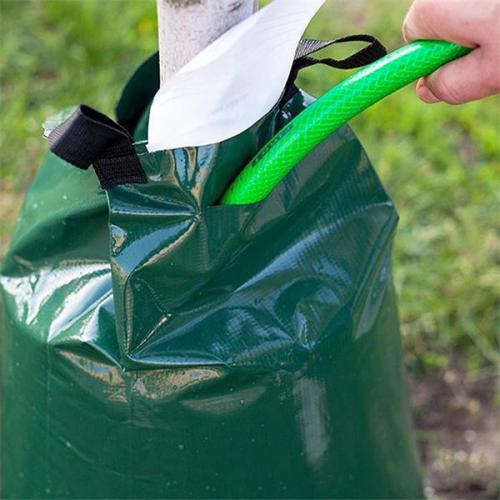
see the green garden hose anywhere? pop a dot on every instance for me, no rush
(334, 109)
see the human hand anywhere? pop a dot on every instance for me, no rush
(474, 24)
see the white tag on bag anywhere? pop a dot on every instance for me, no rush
(232, 83)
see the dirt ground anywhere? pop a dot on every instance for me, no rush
(459, 434)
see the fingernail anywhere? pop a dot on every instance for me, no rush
(426, 94)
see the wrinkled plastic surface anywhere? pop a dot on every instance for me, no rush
(158, 347)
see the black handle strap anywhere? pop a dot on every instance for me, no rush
(373, 51)
(368, 54)
(88, 137)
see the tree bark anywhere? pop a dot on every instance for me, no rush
(186, 27)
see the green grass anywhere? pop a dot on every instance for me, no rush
(438, 162)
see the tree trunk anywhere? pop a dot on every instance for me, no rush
(187, 26)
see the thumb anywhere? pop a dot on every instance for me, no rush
(466, 79)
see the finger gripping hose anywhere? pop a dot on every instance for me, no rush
(334, 109)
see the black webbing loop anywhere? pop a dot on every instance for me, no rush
(88, 137)
(372, 52)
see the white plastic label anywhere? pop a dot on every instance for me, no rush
(234, 82)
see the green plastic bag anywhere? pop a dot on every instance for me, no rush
(157, 345)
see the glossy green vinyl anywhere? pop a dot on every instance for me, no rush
(158, 345)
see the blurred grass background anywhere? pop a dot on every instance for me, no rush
(439, 163)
